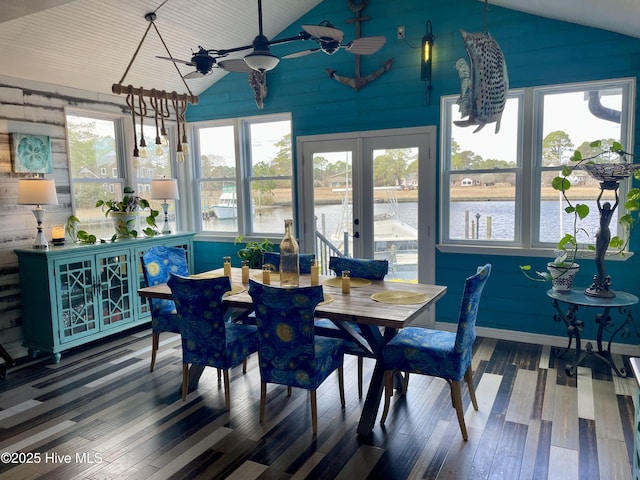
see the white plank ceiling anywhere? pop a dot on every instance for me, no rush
(87, 44)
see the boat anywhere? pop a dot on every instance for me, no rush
(394, 239)
(227, 206)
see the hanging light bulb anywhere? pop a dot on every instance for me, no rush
(143, 148)
(185, 145)
(163, 137)
(159, 151)
(179, 154)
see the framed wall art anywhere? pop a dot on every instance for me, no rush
(31, 153)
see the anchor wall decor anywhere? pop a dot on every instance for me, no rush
(358, 82)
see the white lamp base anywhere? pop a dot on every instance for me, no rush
(165, 227)
(41, 241)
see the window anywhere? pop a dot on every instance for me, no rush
(496, 187)
(96, 147)
(244, 175)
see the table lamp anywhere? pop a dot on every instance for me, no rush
(37, 191)
(165, 189)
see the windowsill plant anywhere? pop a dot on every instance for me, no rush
(130, 204)
(568, 248)
(253, 251)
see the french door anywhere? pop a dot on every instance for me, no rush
(371, 195)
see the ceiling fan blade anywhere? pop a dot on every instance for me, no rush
(302, 53)
(177, 60)
(237, 65)
(195, 74)
(322, 32)
(366, 45)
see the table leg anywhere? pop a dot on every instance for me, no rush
(605, 322)
(376, 387)
(574, 327)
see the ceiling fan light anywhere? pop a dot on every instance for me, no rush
(261, 60)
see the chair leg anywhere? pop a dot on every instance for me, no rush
(288, 390)
(244, 365)
(388, 391)
(468, 377)
(341, 385)
(314, 411)
(155, 343)
(185, 380)
(360, 367)
(456, 399)
(263, 399)
(219, 375)
(405, 383)
(227, 395)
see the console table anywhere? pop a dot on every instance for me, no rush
(575, 299)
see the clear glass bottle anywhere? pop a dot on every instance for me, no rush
(289, 258)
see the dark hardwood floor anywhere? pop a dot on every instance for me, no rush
(100, 414)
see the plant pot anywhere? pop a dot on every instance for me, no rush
(562, 276)
(124, 223)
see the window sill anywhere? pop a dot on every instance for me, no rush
(517, 252)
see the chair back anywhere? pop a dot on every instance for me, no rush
(284, 317)
(158, 263)
(201, 313)
(473, 287)
(360, 267)
(305, 260)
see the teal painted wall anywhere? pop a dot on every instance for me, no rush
(538, 52)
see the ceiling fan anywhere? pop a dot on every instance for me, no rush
(328, 38)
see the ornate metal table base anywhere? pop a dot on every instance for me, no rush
(622, 302)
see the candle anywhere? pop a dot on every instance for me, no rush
(346, 281)
(315, 270)
(57, 234)
(227, 266)
(245, 272)
(266, 274)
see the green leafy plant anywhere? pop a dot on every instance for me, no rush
(77, 235)
(252, 251)
(568, 248)
(130, 203)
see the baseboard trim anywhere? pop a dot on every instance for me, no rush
(539, 339)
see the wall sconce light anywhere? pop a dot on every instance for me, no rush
(426, 59)
(37, 191)
(165, 189)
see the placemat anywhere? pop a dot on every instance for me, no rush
(327, 299)
(355, 282)
(235, 289)
(400, 297)
(275, 278)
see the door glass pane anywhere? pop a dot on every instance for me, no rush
(333, 209)
(395, 220)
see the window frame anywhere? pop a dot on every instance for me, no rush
(529, 167)
(243, 173)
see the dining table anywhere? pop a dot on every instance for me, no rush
(379, 308)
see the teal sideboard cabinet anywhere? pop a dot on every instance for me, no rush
(74, 294)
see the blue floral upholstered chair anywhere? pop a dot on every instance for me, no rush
(207, 339)
(359, 268)
(290, 354)
(157, 264)
(437, 353)
(305, 260)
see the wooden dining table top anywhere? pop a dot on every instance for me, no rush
(356, 306)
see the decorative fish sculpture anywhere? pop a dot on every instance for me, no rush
(483, 84)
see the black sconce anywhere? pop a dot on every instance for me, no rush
(426, 60)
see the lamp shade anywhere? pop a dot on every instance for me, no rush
(36, 191)
(165, 189)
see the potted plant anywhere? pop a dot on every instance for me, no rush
(562, 270)
(252, 251)
(125, 212)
